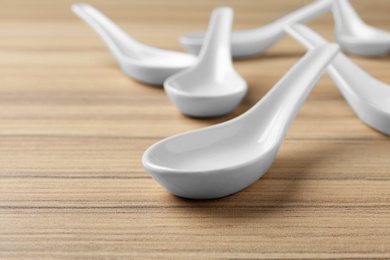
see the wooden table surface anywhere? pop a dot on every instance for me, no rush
(73, 129)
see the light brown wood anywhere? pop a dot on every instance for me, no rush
(73, 129)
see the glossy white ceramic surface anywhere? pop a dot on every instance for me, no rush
(211, 87)
(354, 35)
(225, 158)
(368, 97)
(139, 61)
(249, 43)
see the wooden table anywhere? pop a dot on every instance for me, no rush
(73, 129)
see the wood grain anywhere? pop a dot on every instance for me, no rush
(73, 129)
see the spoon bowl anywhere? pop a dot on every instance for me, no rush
(137, 60)
(354, 35)
(368, 97)
(249, 43)
(225, 158)
(211, 87)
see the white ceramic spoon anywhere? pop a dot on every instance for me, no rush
(225, 158)
(253, 42)
(139, 61)
(354, 35)
(211, 87)
(368, 97)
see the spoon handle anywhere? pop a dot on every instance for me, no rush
(117, 40)
(283, 102)
(216, 47)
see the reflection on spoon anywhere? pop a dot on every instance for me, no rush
(368, 97)
(225, 158)
(139, 61)
(354, 35)
(250, 43)
(211, 87)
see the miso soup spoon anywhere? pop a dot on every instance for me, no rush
(211, 87)
(225, 158)
(250, 43)
(354, 35)
(139, 61)
(368, 97)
